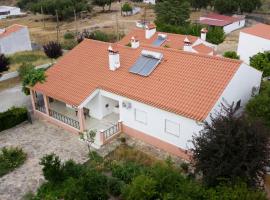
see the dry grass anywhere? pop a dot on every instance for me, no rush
(9, 83)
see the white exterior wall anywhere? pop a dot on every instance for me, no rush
(234, 26)
(15, 42)
(150, 1)
(240, 87)
(11, 10)
(250, 45)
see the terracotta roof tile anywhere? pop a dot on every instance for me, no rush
(215, 19)
(260, 30)
(201, 48)
(11, 29)
(184, 83)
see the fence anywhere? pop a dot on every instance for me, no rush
(72, 122)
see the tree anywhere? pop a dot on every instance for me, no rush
(231, 148)
(258, 108)
(198, 4)
(89, 138)
(249, 5)
(31, 78)
(215, 35)
(226, 6)
(4, 62)
(127, 7)
(261, 61)
(172, 12)
(231, 54)
(102, 3)
(53, 50)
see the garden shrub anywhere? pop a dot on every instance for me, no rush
(31, 78)
(11, 158)
(126, 171)
(69, 35)
(142, 187)
(231, 54)
(115, 186)
(69, 44)
(12, 117)
(24, 69)
(53, 50)
(4, 62)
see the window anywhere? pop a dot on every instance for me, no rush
(172, 127)
(141, 116)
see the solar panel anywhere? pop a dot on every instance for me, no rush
(146, 63)
(160, 40)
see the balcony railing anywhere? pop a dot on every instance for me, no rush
(72, 122)
(40, 108)
(111, 131)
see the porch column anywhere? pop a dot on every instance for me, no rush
(33, 99)
(46, 104)
(81, 119)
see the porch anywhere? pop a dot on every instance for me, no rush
(77, 119)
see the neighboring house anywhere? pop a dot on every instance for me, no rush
(228, 23)
(150, 1)
(158, 95)
(149, 36)
(253, 40)
(6, 11)
(14, 38)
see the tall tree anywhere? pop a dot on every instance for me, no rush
(172, 12)
(198, 4)
(230, 148)
(226, 6)
(261, 61)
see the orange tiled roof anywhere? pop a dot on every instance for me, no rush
(11, 29)
(184, 83)
(174, 41)
(260, 30)
(201, 48)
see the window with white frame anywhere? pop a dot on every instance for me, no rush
(140, 116)
(172, 128)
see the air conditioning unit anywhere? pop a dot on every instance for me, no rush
(126, 105)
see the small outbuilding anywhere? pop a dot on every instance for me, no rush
(6, 11)
(14, 38)
(228, 23)
(253, 40)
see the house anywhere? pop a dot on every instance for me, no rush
(14, 38)
(157, 95)
(253, 40)
(150, 1)
(149, 36)
(228, 23)
(6, 11)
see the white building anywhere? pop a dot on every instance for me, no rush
(253, 40)
(155, 94)
(228, 23)
(14, 38)
(150, 1)
(6, 11)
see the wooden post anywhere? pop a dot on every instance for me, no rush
(120, 126)
(81, 119)
(75, 20)
(102, 137)
(43, 20)
(117, 27)
(57, 26)
(46, 104)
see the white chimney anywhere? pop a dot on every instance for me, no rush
(135, 43)
(2, 30)
(187, 45)
(203, 34)
(114, 58)
(150, 30)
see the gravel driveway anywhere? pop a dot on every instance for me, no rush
(36, 139)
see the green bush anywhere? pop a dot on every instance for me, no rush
(261, 61)
(231, 54)
(11, 158)
(126, 171)
(69, 44)
(126, 7)
(115, 186)
(25, 68)
(31, 78)
(69, 35)
(215, 35)
(142, 187)
(12, 117)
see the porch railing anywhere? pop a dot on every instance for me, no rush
(40, 108)
(111, 131)
(67, 120)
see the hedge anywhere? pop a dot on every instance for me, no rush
(12, 117)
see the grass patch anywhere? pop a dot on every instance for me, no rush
(34, 57)
(10, 159)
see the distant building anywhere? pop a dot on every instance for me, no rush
(14, 38)
(6, 11)
(253, 40)
(150, 1)
(228, 23)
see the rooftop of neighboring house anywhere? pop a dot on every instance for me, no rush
(11, 29)
(7, 8)
(259, 30)
(183, 83)
(174, 41)
(214, 19)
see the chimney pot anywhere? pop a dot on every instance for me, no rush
(135, 43)
(114, 58)
(150, 30)
(203, 34)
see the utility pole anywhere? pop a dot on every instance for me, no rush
(43, 19)
(57, 26)
(75, 20)
(117, 27)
